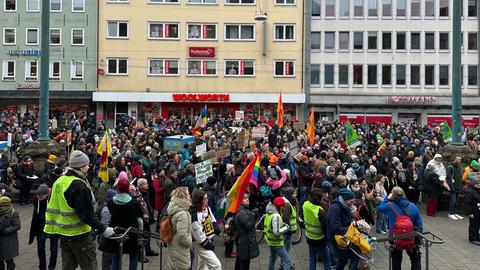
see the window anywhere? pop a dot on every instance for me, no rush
(329, 74)
(10, 5)
(429, 8)
(344, 40)
(444, 8)
(77, 37)
(237, 2)
(429, 40)
(284, 2)
(372, 40)
(117, 29)
(386, 41)
(429, 75)
(32, 36)
(162, 67)
(55, 36)
(76, 71)
(358, 40)
(162, 30)
(343, 74)
(415, 8)
(401, 8)
(329, 40)
(8, 70)
(372, 75)
(9, 36)
(284, 32)
(414, 75)
(202, 31)
(239, 68)
(55, 5)
(472, 75)
(239, 32)
(201, 67)
(126, 1)
(472, 41)
(316, 8)
(78, 5)
(31, 70)
(330, 8)
(387, 8)
(55, 71)
(472, 8)
(344, 8)
(117, 66)
(401, 74)
(414, 41)
(372, 8)
(156, 1)
(443, 75)
(201, 1)
(358, 8)
(33, 5)
(386, 75)
(443, 37)
(315, 40)
(401, 41)
(284, 68)
(357, 74)
(315, 74)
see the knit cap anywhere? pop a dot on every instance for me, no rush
(5, 205)
(78, 159)
(346, 194)
(474, 163)
(42, 190)
(279, 202)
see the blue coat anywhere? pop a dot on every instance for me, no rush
(401, 208)
(339, 219)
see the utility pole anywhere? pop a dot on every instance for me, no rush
(44, 71)
(456, 74)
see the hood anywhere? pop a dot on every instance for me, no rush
(177, 205)
(122, 198)
(403, 203)
(207, 187)
(271, 208)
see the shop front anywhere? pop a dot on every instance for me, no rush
(365, 118)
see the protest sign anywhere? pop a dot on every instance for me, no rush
(203, 170)
(293, 146)
(200, 150)
(258, 132)
(299, 126)
(239, 116)
(223, 152)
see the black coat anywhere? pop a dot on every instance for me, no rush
(247, 246)
(471, 202)
(38, 219)
(432, 184)
(9, 227)
(339, 219)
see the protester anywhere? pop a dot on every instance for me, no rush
(455, 186)
(274, 229)
(247, 246)
(25, 176)
(142, 184)
(472, 209)
(9, 227)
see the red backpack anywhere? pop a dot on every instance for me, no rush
(403, 225)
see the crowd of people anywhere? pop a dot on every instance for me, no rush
(320, 187)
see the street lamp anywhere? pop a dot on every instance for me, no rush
(262, 16)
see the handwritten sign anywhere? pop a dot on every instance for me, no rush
(241, 139)
(209, 155)
(200, 150)
(258, 132)
(203, 170)
(299, 126)
(293, 146)
(239, 116)
(223, 152)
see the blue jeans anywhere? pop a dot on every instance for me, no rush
(284, 259)
(381, 222)
(303, 195)
(132, 264)
(316, 253)
(288, 242)
(342, 262)
(452, 206)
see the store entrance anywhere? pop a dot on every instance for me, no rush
(408, 118)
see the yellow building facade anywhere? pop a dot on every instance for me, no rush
(159, 58)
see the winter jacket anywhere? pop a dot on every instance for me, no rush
(9, 227)
(432, 184)
(38, 219)
(179, 248)
(212, 197)
(277, 183)
(247, 246)
(401, 207)
(472, 201)
(158, 188)
(339, 218)
(276, 220)
(454, 178)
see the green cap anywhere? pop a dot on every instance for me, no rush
(474, 163)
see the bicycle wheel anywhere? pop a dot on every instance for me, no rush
(297, 236)
(259, 229)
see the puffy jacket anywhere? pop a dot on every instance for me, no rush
(247, 246)
(401, 207)
(179, 248)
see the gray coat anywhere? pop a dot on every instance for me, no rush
(179, 248)
(247, 246)
(9, 226)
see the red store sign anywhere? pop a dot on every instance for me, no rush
(201, 51)
(201, 97)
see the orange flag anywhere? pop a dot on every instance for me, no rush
(311, 128)
(280, 112)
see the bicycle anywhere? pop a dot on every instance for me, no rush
(259, 234)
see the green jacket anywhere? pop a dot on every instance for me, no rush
(455, 173)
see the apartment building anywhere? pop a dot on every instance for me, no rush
(390, 60)
(159, 58)
(73, 54)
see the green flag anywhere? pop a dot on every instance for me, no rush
(351, 137)
(447, 132)
(379, 138)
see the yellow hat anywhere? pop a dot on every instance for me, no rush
(52, 158)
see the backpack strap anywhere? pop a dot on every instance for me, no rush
(393, 209)
(409, 207)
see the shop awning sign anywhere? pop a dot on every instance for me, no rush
(201, 97)
(201, 51)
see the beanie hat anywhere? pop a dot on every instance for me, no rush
(52, 158)
(411, 154)
(279, 202)
(273, 159)
(110, 194)
(61, 162)
(474, 163)
(288, 192)
(42, 190)
(355, 166)
(123, 186)
(141, 181)
(5, 205)
(326, 186)
(211, 180)
(372, 169)
(346, 194)
(78, 159)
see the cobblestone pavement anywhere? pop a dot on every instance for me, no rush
(456, 253)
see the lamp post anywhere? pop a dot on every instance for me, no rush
(456, 74)
(44, 71)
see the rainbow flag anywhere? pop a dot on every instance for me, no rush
(255, 172)
(105, 151)
(235, 195)
(201, 122)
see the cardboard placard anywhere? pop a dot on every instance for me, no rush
(258, 132)
(293, 146)
(223, 152)
(299, 126)
(239, 116)
(241, 139)
(209, 155)
(203, 170)
(200, 150)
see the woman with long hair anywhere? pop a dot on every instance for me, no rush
(179, 247)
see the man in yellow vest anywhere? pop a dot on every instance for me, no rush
(70, 214)
(274, 229)
(315, 225)
(289, 215)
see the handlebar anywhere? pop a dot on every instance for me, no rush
(433, 240)
(121, 236)
(135, 231)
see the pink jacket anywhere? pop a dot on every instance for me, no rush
(276, 183)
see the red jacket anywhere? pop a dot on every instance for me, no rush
(136, 171)
(158, 188)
